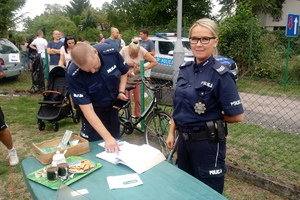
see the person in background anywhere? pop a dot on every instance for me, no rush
(62, 36)
(147, 44)
(113, 40)
(132, 55)
(54, 49)
(205, 99)
(31, 51)
(6, 138)
(65, 51)
(96, 77)
(40, 45)
(102, 39)
(25, 56)
(122, 42)
(11, 38)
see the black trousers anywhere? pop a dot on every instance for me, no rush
(109, 118)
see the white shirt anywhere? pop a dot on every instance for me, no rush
(41, 45)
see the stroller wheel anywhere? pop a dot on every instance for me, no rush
(41, 126)
(55, 126)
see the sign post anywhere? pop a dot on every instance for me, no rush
(292, 30)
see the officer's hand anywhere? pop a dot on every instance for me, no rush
(170, 141)
(111, 146)
(122, 97)
(130, 73)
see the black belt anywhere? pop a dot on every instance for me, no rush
(102, 109)
(193, 136)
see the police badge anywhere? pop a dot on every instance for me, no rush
(199, 108)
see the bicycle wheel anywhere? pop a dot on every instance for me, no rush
(157, 129)
(124, 121)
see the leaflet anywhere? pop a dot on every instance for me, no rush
(123, 181)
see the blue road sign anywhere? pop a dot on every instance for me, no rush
(292, 26)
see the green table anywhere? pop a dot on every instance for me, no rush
(164, 181)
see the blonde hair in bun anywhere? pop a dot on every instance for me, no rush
(135, 44)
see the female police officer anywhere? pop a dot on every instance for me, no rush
(205, 99)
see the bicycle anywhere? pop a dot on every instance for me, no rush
(157, 121)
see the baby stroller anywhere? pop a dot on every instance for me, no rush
(56, 104)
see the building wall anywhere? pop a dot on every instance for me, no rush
(290, 7)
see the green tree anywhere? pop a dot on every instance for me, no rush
(135, 13)
(101, 18)
(238, 33)
(89, 21)
(77, 7)
(8, 17)
(50, 22)
(162, 12)
(272, 7)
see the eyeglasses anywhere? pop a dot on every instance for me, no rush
(203, 40)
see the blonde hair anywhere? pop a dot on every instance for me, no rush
(135, 44)
(209, 24)
(81, 52)
(24, 40)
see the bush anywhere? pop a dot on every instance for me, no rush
(237, 36)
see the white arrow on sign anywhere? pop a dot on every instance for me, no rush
(296, 24)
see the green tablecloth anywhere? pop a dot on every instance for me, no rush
(164, 181)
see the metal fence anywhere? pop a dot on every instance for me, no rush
(268, 141)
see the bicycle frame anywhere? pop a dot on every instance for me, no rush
(152, 107)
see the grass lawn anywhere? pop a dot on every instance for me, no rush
(20, 114)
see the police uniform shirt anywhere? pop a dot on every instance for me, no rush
(210, 84)
(100, 88)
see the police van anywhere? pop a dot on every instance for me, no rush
(164, 47)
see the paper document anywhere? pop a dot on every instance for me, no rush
(139, 158)
(123, 181)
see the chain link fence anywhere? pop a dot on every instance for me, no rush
(268, 141)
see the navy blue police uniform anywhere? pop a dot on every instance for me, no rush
(204, 93)
(100, 89)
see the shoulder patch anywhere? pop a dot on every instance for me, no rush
(189, 63)
(221, 69)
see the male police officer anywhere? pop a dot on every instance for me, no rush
(96, 77)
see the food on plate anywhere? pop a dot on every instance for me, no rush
(83, 166)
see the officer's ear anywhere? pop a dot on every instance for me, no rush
(95, 51)
(216, 42)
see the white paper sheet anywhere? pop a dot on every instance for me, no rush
(123, 181)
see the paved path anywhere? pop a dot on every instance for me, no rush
(272, 112)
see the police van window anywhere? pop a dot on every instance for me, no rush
(186, 45)
(165, 47)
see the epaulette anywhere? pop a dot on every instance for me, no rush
(189, 63)
(221, 69)
(105, 48)
(73, 69)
